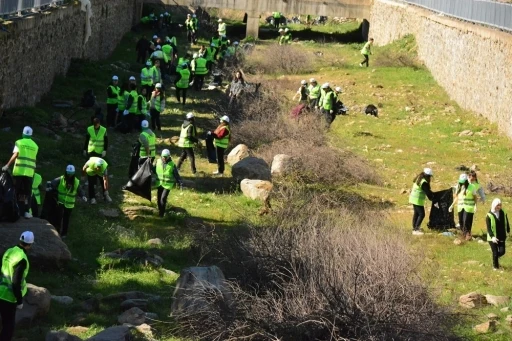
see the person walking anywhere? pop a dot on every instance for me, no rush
(146, 79)
(314, 93)
(96, 169)
(182, 83)
(143, 107)
(142, 49)
(36, 195)
(327, 102)
(188, 137)
(96, 140)
(157, 106)
(147, 140)
(190, 25)
(13, 284)
(277, 19)
(473, 180)
(112, 101)
(222, 137)
(68, 188)
(167, 176)
(465, 198)
(24, 156)
(130, 112)
(221, 29)
(420, 191)
(366, 51)
(156, 73)
(199, 70)
(498, 228)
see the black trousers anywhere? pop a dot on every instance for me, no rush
(188, 152)
(111, 115)
(141, 57)
(62, 219)
(277, 22)
(313, 102)
(466, 221)
(8, 314)
(329, 117)
(366, 60)
(220, 159)
(498, 250)
(34, 207)
(162, 195)
(155, 119)
(93, 154)
(183, 92)
(198, 82)
(92, 181)
(417, 217)
(23, 187)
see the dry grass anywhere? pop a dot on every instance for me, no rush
(280, 59)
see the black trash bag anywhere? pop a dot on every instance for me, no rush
(371, 110)
(134, 162)
(49, 209)
(88, 99)
(9, 210)
(140, 183)
(440, 218)
(210, 149)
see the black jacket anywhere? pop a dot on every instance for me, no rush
(502, 226)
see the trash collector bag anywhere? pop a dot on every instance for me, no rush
(140, 183)
(9, 210)
(440, 218)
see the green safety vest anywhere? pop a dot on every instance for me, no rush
(327, 102)
(173, 41)
(189, 24)
(200, 68)
(152, 145)
(222, 29)
(96, 141)
(66, 196)
(366, 49)
(121, 100)
(466, 201)
(26, 161)
(184, 141)
(144, 105)
(165, 174)
(91, 168)
(492, 217)
(195, 22)
(314, 91)
(185, 78)
(145, 76)
(210, 53)
(216, 42)
(167, 50)
(135, 96)
(35, 187)
(158, 104)
(180, 62)
(155, 72)
(223, 142)
(10, 259)
(115, 91)
(417, 196)
(276, 15)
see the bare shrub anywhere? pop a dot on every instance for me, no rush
(312, 275)
(283, 59)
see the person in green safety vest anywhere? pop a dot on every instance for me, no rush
(287, 36)
(96, 140)
(473, 180)
(147, 140)
(68, 188)
(210, 55)
(122, 98)
(328, 101)
(498, 228)
(96, 169)
(13, 283)
(465, 197)
(157, 106)
(156, 72)
(182, 83)
(167, 176)
(188, 137)
(366, 51)
(142, 107)
(420, 191)
(313, 93)
(190, 25)
(24, 156)
(36, 195)
(112, 100)
(199, 70)
(222, 137)
(302, 93)
(146, 79)
(130, 112)
(282, 37)
(277, 19)
(221, 28)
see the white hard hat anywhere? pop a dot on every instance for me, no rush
(303, 82)
(132, 78)
(235, 43)
(144, 124)
(188, 15)
(166, 13)
(325, 85)
(27, 131)
(99, 162)
(428, 171)
(212, 44)
(220, 20)
(148, 63)
(225, 118)
(158, 47)
(70, 169)
(286, 29)
(312, 80)
(463, 178)
(161, 15)
(155, 37)
(158, 85)
(27, 237)
(193, 15)
(115, 78)
(190, 115)
(195, 55)
(281, 30)
(166, 152)
(337, 89)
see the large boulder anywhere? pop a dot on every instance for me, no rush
(282, 165)
(251, 168)
(48, 249)
(116, 333)
(134, 316)
(238, 153)
(497, 300)
(256, 189)
(196, 288)
(36, 303)
(61, 336)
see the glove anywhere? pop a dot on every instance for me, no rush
(5, 168)
(126, 112)
(207, 133)
(450, 209)
(19, 306)
(85, 153)
(436, 205)
(103, 153)
(84, 199)
(494, 240)
(331, 111)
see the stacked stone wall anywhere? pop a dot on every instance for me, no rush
(471, 62)
(39, 47)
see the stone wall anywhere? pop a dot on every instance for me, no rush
(39, 47)
(471, 62)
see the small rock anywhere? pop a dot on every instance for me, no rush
(508, 319)
(457, 241)
(110, 212)
(492, 317)
(77, 330)
(92, 304)
(145, 329)
(256, 189)
(485, 327)
(155, 241)
(504, 310)
(408, 109)
(238, 153)
(134, 316)
(466, 133)
(65, 300)
(472, 300)
(117, 333)
(497, 300)
(169, 272)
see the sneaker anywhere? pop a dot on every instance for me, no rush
(417, 233)
(361, 64)
(93, 201)
(108, 199)
(27, 215)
